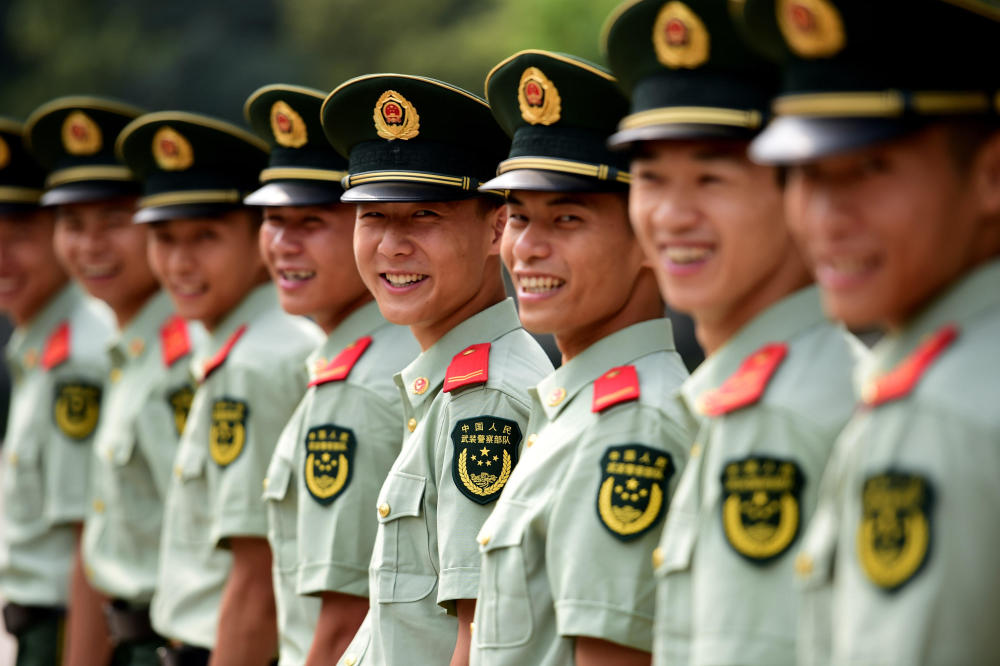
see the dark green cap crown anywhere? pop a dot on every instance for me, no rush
(303, 169)
(73, 138)
(190, 165)
(559, 109)
(21, 179)
(412, 138)
(686, 70)
(871, 68)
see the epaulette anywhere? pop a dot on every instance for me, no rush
(469, 366)
(57, 347)
(745, 386)
(615, 386)
(904, 377)
(212, 364)
(175, 342)
(342, 364)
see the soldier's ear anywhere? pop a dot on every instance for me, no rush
(985, 177)
(498, 221)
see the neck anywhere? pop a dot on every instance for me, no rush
(330, 320)
(125, 312)
(490, 293)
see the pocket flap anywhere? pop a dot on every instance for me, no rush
(122, 449)
(677, 542)
(814, 562)
(504, 528)
(191, 462)
(401, 496)
(279, 473)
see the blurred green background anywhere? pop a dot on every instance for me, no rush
(209, 55)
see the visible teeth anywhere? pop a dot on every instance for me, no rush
(97, 271)
(403, 279)
(298, 275)
(538, 285)
(187, 291)
(850, 265)
(686, 254)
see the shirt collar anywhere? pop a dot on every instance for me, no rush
(620, 348)
(144, 328)
(484, 326)
(363, 321)
(260, 299)
(35, 332)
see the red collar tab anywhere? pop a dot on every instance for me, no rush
(904, 377)
(745, 386)
(57, 347)
(175, 343)
(342, 364)
(469, 366)
(617, 385)
(212, 364)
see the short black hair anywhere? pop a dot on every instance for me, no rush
(966, 137)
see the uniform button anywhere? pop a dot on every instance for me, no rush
(531, 439)
(350, 660)
(12, 459)
(411, 424)
(803, 565)
(383, 509)
(177, 471)
(657, 558)
(109, 454)
(556, 396)
(98, 506)
(30, 358)
(136, 346)
(695, 450)
(472, 627)
(264, 483)
(868, 393)
(116, 374)
(484, 540)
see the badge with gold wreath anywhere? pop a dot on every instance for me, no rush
(632, 496)
(228, 432)
(180, 403)
(329, 461)
(77, 408)
(895, 531)
(761, 512)
(485, 455)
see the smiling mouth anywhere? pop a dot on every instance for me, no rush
(686, 254)
(98, 271)
(188, 291)
(403, 279)
(540, 285)
(297, 276)
(851, 265)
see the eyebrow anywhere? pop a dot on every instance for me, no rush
(560, 200)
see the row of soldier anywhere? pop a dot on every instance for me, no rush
(323, 434)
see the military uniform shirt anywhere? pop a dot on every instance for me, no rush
(566, 551)
(327, 470)
(54, 412)
(425, 551)
(727, 592)
(145, 406)
(232, 430)
(905, 538)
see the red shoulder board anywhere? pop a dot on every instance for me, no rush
(174, 340)
(617, 385)
(56, 347)
(745, 386)
(212, 364)
(469, 366)
(901, 380)
(338, 369)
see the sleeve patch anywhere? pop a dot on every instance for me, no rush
(329, 463)
(761, 511)
(486, 451)
(632, 495)
(180, 404)
(228, 434)
(77, 408)
(895, 532)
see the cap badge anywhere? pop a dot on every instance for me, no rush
(80, 134)
(172, 151)
(395, 117)
(680, 37)
(4, 154)
(538, 98)
(812, 28)
(287, 125)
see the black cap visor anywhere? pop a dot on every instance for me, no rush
(792, 140)
(86, 192)
(402, 192)
(627, 138)
(182, 211)
(295, 193)
(541, 180)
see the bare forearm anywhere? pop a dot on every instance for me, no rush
(247, 634)
(87, 640)
(597, 652)
(466, 610)
(339, 619)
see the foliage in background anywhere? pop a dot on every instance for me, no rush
(208, 55)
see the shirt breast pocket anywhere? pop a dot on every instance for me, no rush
(281, 511)
(132, 490)
(192, 517)
(24, 490)
(404, 571)
(503, 612)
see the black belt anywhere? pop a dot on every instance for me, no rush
(127, 623)
(18, 619)
(183, 655)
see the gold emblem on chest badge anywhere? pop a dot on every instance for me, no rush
(171, 150)
(760, 507)
(538, 98)
(80, 134)
(228, 432)
(812, 28)
(329, 461)
(680, 37)
(287, 126)
(486, 451)
(77, 409)
(395, 117)
(894, 535)
(631, 496)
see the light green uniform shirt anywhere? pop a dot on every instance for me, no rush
(232, 430)
(326, 472)
(145, 405)
(566, 551)
(905, 539)
(425, 554)
(727, 587)
(53, 415)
